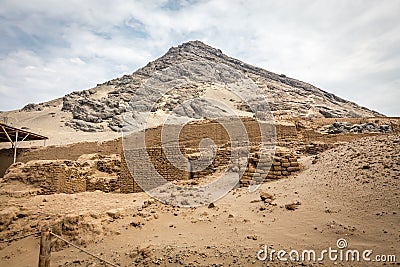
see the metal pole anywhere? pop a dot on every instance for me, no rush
(15, 146)
(45, 248)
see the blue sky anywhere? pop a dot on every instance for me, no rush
(350, 48)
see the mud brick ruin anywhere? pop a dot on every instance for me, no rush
(70, 176)
(102, 166)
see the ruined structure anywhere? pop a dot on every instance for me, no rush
(101, 166)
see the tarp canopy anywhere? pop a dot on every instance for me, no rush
(11, 134)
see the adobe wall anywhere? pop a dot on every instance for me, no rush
(163, 166)
(51, 177)
(67, 152)
(191, 134)
(6, 159)
(294, 136)
(281, 165)
(141, 168)
(93, 172)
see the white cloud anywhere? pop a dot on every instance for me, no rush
(346, 47)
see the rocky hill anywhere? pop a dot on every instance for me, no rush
(217, 84)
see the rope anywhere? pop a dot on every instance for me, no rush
(66, 241)
(20, 237)
(83, 250)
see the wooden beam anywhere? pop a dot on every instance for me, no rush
(12, 130)
(45, 248)
(7, 136)
(22, 140)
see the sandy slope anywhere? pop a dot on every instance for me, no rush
(349, 192)
(50, 122)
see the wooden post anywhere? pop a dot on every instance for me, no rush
(45, 248)
(15, 146)
(190, 170)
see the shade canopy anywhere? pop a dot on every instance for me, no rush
(11, 134)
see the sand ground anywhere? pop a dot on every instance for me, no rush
(350, 192)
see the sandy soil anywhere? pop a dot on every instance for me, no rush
(349, 192)
(50, 122)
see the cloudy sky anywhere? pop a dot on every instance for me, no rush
(350, 48)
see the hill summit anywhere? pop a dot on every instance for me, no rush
(196, 70)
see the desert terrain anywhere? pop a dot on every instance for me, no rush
(350, 191)
(333, 175)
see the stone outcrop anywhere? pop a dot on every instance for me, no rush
(347, 127)
(185, 72)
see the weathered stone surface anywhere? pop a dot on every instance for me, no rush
(203, 65)
(346, 127)
(7, 216)
(31, 107)
(116, 213)
(266, 197)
